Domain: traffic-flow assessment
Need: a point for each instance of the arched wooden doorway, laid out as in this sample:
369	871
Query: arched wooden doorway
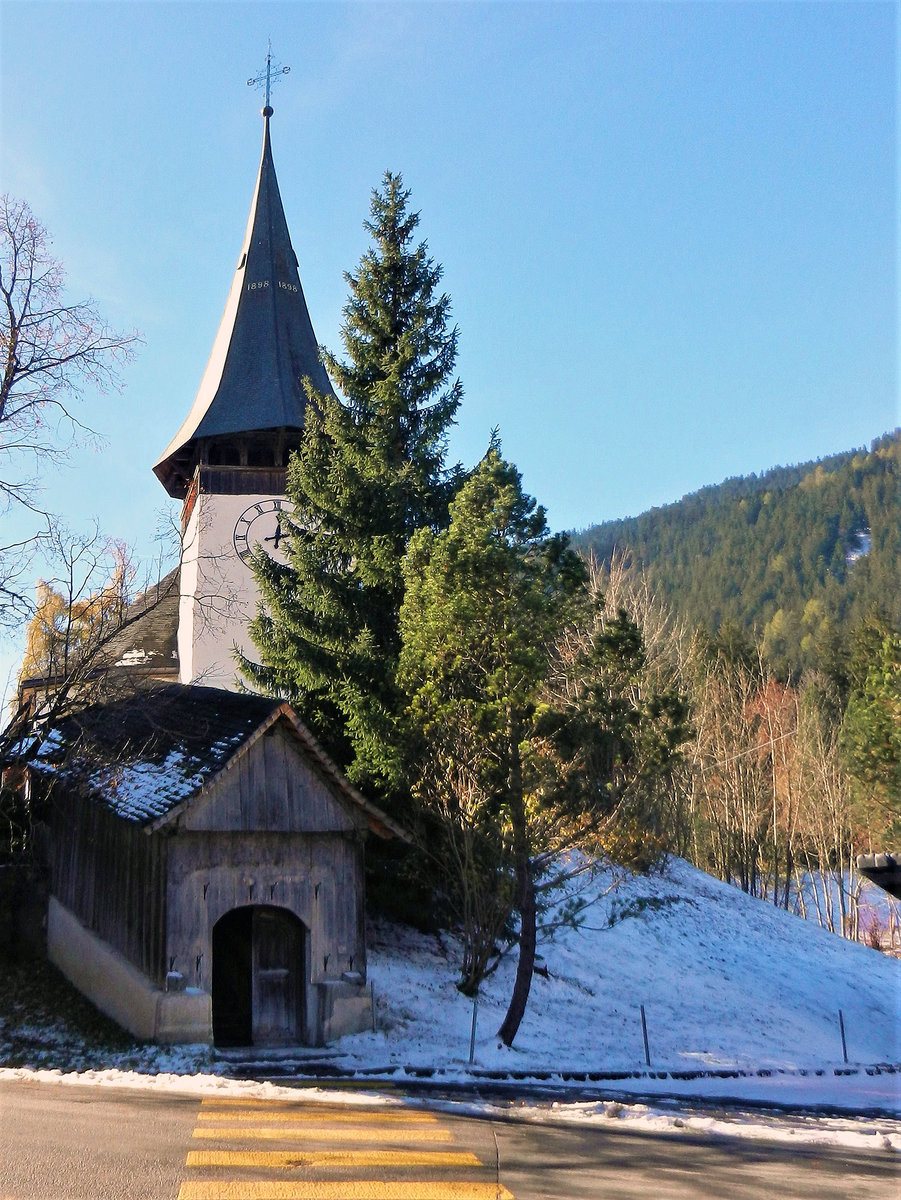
259	955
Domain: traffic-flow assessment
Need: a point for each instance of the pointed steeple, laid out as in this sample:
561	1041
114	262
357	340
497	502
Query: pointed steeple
265	346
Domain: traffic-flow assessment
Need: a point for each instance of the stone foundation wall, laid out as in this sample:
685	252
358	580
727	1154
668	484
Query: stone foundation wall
344	1007
121	991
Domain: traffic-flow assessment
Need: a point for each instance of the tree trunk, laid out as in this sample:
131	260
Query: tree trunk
526	962
526	888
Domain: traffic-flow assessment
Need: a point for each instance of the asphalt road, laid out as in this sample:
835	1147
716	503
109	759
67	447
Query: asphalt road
81	1143
89	1143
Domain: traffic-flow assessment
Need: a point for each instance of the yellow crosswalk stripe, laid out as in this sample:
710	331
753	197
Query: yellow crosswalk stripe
348	1190
346	1133
332	1158
314	1113
240	1102
373	1130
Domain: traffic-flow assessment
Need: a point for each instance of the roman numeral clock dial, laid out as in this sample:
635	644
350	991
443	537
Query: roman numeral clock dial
261	527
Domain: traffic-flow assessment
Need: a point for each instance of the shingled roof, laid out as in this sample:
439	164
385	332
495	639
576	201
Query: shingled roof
141	649
148	638
265	345
147	756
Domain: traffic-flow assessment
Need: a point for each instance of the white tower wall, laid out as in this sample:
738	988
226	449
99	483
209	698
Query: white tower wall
219	594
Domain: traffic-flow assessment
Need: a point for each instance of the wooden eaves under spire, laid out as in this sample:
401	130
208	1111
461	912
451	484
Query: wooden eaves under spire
249	409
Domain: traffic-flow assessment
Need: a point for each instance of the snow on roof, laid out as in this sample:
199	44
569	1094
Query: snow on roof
146	754
149	634
141	791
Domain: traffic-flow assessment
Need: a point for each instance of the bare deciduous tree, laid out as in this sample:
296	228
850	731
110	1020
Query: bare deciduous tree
50	352
77	653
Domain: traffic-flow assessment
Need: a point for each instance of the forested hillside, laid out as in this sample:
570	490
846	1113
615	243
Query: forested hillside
795	556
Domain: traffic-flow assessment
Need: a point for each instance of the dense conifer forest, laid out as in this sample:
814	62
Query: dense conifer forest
795	557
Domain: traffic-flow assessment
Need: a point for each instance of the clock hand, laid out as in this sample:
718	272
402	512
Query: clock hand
277	536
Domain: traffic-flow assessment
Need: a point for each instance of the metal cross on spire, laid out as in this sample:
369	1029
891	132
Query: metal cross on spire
265	78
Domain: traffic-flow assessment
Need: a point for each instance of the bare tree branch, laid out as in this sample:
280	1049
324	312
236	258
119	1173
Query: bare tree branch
51	351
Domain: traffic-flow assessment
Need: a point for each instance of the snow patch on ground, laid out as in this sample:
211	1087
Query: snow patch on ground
726	980
728	983
667	1116
859	544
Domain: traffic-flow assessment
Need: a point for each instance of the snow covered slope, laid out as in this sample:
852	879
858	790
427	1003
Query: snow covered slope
726	981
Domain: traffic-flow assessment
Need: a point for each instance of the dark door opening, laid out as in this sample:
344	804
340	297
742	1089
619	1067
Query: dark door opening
233	978
258	976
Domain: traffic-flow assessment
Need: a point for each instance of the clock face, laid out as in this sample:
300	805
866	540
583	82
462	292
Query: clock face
260	527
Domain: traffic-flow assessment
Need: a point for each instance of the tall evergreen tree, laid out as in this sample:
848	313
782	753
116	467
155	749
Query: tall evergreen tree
371	471
871	731
484	601
536	725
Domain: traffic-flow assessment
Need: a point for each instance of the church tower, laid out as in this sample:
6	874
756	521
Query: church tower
227	462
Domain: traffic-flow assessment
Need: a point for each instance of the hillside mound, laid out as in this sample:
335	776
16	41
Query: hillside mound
726	980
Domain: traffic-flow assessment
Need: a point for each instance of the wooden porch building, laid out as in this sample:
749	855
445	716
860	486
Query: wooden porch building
207	875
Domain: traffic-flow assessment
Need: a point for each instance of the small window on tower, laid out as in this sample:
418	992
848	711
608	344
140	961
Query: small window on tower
242	262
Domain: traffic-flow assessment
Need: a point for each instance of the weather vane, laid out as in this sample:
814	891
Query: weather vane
265	78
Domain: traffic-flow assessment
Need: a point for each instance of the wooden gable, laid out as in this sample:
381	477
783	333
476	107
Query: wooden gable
270	785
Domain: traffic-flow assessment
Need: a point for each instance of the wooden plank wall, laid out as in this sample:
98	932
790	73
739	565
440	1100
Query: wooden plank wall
112	876
270	831
317	877
272	787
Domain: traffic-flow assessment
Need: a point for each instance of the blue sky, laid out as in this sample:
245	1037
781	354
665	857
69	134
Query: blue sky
669	230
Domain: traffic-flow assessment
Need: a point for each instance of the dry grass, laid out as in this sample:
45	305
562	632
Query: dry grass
45	1022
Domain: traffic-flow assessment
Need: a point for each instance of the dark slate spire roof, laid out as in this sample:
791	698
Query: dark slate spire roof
265	345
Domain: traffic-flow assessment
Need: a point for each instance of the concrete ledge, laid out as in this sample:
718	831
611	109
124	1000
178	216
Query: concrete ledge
882	869
119	989
344	1007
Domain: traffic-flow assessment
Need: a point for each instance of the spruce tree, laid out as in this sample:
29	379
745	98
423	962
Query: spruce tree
484	600
870	735
370	471
536	724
